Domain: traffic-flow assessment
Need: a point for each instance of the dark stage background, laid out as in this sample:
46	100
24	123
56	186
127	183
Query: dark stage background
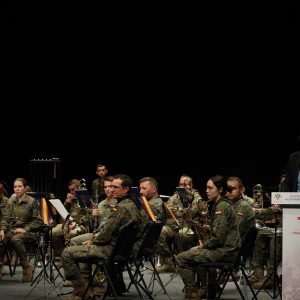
256	158
156	91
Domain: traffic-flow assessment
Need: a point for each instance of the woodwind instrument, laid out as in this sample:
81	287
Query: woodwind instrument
171	213
148	208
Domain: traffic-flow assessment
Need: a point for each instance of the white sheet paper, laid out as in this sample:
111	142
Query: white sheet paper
60	208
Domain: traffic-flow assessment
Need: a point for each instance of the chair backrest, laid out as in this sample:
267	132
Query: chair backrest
124	244
150	237
247	247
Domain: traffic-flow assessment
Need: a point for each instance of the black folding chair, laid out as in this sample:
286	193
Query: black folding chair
119	259
230	269
6	256
147	252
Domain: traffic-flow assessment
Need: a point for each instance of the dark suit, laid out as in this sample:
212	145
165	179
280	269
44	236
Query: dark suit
291	173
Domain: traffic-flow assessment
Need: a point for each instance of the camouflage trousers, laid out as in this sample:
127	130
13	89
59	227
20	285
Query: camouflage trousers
189	262
73	254
264	252
16	242
174	241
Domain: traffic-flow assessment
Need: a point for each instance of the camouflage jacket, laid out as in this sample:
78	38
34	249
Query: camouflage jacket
225	236
3	210
245	216
23	214
106	209
176	206
123	214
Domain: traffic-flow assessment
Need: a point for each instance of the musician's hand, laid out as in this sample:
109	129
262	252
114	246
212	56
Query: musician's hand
1	235
69	198
72	225
180	209
88	242
200	246
96	212
277	207
19	230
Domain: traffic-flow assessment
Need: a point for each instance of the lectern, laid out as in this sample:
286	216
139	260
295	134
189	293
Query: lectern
290	203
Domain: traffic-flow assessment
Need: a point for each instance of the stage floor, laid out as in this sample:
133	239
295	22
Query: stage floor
13	288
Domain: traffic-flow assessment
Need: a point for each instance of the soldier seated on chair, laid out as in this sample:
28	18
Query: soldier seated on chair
223	244
126	212
20	224
170	230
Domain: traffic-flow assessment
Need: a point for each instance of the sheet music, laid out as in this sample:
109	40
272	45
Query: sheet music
60	208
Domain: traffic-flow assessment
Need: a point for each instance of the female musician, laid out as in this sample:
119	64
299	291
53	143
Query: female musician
20	224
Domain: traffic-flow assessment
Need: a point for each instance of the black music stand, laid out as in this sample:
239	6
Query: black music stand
48	265
84	198
274	274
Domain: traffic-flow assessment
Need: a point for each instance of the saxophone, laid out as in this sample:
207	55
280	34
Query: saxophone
201	224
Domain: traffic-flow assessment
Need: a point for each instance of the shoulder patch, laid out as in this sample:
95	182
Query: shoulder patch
240	214
114	209
218	212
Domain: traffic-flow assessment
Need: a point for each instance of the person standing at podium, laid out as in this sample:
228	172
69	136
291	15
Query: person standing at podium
290	179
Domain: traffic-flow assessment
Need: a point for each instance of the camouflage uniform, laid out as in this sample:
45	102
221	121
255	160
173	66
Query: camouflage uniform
245	216
223	244
125	212
171	229
107	208
265	241
23	214
3	208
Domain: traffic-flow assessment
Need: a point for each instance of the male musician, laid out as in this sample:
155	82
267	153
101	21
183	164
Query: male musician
98	193
62	233
126	212
264	250
149	189
171	228
100	214
243	210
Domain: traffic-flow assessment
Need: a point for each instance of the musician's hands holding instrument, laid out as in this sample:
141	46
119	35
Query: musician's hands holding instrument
69	198
2	235
72	225
96	212
200	246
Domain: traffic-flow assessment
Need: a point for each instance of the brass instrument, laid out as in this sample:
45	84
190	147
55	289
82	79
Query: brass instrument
258	196
82	184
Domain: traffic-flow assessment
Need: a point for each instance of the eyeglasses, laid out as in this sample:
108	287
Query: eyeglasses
115	187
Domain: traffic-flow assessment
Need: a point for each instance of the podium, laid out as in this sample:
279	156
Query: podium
290	203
